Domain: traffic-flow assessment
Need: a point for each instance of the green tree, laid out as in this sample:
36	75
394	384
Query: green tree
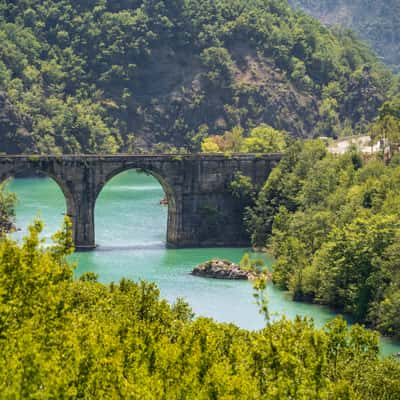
387	126
264	139
329	124
7	209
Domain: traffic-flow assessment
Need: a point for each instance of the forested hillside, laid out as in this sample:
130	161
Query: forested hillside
375	21
331	223
106	76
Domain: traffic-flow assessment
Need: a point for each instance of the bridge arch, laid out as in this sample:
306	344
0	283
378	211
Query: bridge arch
38	172
169	191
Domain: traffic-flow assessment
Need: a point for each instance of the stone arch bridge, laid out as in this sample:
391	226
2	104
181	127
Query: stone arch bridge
201	208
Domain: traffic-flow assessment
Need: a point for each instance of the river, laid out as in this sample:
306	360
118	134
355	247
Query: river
130	233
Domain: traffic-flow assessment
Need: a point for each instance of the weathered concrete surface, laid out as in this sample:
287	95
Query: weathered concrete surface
201	209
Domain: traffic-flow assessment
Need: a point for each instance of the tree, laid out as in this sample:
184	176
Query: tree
230	142
7	210
329	123
209	145
219	66
264	139
387	126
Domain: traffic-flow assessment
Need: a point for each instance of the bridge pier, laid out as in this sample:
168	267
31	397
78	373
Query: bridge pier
81	211
83	229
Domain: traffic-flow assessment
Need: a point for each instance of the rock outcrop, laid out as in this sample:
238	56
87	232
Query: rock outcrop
222	269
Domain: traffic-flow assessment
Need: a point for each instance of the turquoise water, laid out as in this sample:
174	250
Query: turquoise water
130	233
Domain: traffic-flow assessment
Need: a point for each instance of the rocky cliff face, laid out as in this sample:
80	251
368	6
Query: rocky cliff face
175	98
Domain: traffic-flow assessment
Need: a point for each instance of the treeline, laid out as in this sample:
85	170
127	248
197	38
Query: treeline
333	224
103	76
72	339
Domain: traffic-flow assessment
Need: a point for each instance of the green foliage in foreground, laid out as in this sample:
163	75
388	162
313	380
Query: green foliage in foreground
7	209
333	224
62	338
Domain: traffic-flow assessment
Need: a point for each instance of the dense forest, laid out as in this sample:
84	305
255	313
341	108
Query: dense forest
332	223
65	338
105	76
375	21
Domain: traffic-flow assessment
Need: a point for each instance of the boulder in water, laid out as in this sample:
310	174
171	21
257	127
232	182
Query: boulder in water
221	269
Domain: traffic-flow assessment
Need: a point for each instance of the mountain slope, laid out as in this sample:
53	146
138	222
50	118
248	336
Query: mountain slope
100	76
375	21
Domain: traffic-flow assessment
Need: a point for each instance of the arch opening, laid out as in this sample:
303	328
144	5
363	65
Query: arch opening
39	195
133	209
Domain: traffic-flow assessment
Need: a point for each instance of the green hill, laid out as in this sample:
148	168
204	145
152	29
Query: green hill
375	21
102	76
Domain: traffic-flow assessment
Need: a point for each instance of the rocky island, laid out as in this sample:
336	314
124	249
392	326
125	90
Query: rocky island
225	269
